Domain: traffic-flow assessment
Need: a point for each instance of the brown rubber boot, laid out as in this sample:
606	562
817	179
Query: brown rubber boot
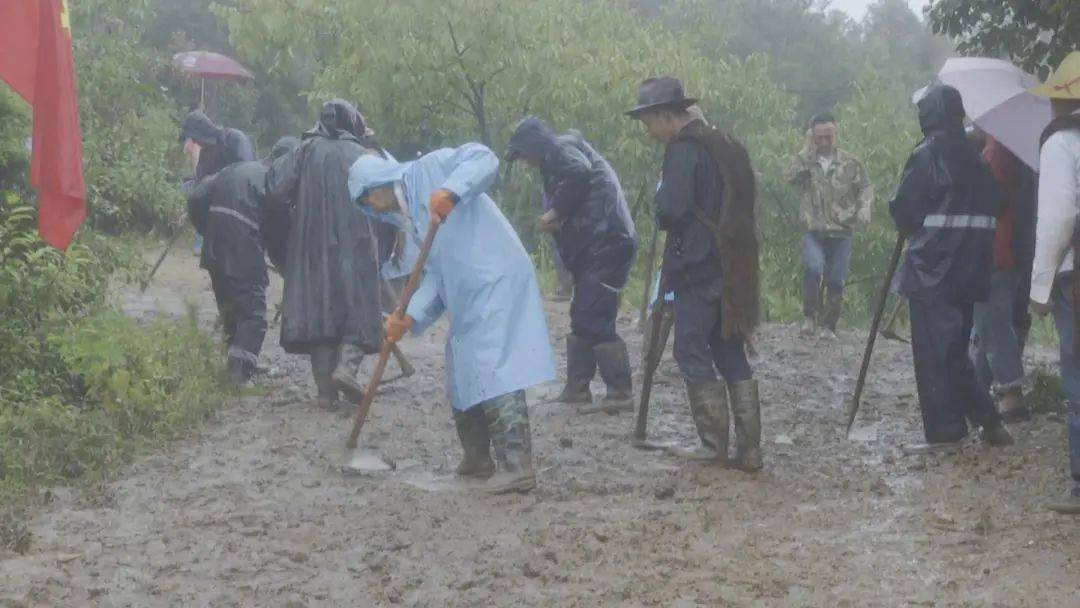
472	430
709	407
746	409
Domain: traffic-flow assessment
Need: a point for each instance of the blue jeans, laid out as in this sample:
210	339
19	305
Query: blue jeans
1070	365
995	343
825	257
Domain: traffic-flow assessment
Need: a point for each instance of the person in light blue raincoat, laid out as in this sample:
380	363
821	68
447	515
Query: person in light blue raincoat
479	275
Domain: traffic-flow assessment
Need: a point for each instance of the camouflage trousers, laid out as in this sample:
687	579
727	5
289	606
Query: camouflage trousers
508	426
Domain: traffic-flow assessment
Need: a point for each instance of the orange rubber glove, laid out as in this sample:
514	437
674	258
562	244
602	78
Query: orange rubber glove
441	204
396	326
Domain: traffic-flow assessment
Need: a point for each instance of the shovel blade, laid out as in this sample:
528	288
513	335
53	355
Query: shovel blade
366	462
650	445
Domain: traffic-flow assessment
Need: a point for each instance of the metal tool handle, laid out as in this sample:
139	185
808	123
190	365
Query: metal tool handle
853	408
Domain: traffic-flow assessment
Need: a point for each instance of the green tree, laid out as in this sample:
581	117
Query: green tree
129	122
1037	34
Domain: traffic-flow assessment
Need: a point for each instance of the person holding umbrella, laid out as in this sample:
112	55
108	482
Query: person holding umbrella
1053	280
214	146
211	149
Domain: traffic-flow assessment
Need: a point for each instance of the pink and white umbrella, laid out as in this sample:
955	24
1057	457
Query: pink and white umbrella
215	66
996	99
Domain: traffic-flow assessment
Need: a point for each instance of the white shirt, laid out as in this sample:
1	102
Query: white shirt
825	162
1059	204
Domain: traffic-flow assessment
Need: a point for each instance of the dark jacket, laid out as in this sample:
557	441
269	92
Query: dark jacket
331	270
947	203
596	234
690	178
221	146
226	208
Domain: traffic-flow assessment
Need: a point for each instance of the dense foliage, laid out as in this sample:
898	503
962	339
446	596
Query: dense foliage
428	74
1037	34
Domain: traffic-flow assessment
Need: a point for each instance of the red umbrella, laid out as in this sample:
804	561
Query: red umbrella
205	64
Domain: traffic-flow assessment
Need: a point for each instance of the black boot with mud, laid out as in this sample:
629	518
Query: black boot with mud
613	362
472	430
997	434
324	360
580	369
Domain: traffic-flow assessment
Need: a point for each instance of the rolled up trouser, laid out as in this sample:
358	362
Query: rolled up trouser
1070	365
944	375
996	349
243	308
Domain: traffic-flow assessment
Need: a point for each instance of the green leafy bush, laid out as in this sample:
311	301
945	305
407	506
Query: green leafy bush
138	383
129	122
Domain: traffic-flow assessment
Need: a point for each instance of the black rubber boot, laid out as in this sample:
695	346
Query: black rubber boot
580	369
997	434
746	409
323	362
709	407
472	430
613	361
240	371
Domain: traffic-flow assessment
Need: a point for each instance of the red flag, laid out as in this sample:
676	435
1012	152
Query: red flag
35	59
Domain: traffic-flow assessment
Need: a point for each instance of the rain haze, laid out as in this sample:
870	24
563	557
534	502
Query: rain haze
857	8
250	358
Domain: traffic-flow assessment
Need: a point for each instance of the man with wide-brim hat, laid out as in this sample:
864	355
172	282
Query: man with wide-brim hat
705	204
1053	283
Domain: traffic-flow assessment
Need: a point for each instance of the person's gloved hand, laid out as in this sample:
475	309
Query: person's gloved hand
441	204
396	326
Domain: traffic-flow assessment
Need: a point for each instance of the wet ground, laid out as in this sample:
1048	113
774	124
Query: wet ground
254	510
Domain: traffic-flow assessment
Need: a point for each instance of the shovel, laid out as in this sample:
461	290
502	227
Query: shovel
853	407
388	346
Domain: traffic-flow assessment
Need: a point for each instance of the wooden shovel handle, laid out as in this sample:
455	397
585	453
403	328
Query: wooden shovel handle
399	312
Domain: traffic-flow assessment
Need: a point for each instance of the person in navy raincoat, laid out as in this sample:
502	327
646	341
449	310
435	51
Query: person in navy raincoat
227	208
481	277
594	234
946	204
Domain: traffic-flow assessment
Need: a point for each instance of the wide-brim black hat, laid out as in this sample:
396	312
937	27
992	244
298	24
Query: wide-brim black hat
660	93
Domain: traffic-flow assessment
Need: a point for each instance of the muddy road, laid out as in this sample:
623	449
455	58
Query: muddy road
254	510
